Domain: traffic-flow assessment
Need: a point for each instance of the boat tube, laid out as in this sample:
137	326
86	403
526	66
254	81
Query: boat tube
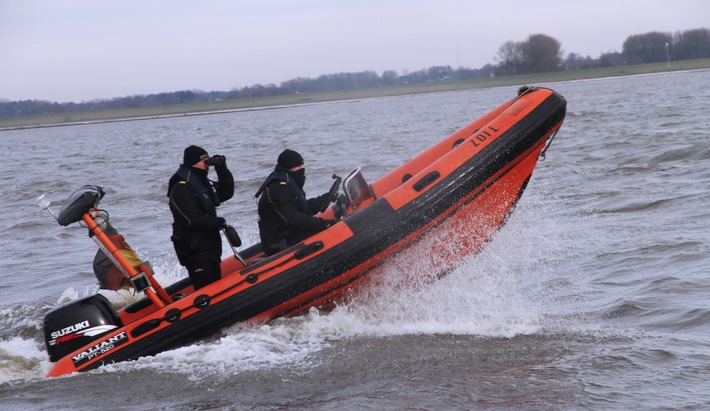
439	206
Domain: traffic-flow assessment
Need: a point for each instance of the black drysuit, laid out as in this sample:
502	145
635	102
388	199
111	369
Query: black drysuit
286	217
193	202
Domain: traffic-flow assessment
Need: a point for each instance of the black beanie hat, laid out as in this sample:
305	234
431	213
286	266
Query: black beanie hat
194	155
289	159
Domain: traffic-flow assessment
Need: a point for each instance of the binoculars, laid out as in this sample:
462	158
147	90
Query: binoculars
216	160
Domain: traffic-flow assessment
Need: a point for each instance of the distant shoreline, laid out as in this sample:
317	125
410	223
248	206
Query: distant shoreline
160	116
295	100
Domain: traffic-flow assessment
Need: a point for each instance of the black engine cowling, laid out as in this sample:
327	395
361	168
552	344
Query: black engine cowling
79	203
78	323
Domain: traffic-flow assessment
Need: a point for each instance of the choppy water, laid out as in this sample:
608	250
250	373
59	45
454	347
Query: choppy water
593	296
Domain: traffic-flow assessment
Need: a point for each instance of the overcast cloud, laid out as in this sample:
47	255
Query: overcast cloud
75	50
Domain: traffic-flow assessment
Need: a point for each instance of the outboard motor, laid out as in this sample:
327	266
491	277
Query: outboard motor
79	203
78	323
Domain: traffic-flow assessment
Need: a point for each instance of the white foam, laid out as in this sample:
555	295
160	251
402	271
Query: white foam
22	359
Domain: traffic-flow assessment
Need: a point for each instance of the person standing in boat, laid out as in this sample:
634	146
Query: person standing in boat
286	217
193	202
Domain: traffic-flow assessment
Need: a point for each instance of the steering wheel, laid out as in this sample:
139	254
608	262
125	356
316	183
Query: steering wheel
332	194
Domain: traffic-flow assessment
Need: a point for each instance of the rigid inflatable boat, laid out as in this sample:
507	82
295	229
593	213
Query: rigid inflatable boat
448	201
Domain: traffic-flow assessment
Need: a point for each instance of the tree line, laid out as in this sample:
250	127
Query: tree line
541	53
538	54
323	83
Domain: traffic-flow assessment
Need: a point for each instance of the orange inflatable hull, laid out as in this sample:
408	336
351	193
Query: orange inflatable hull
438	207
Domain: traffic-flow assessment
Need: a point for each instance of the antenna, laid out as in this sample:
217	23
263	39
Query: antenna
44	204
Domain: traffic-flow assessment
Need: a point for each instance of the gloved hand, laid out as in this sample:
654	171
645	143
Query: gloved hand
221	223
217	161
324	197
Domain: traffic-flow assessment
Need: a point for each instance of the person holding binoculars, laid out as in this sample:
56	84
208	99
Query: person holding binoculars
193	200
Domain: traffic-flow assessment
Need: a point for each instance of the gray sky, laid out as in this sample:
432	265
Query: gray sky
76	50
